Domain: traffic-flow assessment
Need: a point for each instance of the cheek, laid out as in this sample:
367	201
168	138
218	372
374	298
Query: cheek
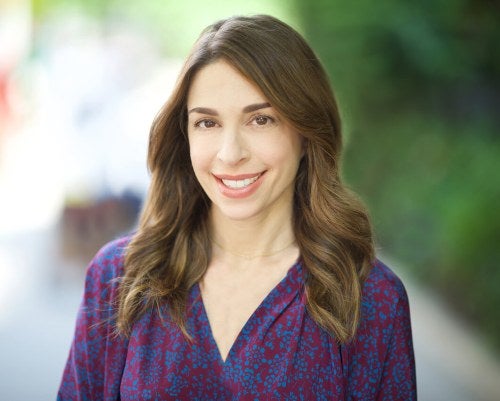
200	154
284	162
284	153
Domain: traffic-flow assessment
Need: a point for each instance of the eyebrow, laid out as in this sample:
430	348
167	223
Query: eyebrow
246	109
255	107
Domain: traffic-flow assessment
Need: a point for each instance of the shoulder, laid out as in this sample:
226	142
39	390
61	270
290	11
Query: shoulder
382	351
97	355
106	268
383	339
109	260
383	285
384	304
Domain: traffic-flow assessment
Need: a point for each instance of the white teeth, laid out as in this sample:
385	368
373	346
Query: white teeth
240	183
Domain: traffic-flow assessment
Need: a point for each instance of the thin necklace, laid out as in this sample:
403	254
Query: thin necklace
250	257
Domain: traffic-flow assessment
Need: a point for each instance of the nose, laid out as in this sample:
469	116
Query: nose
232	148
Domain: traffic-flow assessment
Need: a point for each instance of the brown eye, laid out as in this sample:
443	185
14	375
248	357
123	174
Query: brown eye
205	124
262	120
209	124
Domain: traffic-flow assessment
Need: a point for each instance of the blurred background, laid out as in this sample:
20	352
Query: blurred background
418	87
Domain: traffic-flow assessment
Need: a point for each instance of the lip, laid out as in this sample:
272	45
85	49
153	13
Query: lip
236	177
238	193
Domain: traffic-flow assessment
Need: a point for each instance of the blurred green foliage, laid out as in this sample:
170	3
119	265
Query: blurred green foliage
418	86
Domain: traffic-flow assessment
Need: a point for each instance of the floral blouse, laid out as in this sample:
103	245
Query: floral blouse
280	354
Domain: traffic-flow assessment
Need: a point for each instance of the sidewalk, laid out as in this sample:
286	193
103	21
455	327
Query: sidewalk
452	362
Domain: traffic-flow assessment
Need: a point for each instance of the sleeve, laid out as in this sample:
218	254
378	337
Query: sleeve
97	355
398	381
381	359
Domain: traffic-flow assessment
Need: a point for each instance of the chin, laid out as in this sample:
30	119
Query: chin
237	213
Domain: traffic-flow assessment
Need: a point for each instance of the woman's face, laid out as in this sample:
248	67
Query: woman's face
244	154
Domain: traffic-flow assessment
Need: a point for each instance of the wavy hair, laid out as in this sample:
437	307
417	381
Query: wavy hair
171	249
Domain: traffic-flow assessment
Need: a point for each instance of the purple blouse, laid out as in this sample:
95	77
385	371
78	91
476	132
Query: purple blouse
280	354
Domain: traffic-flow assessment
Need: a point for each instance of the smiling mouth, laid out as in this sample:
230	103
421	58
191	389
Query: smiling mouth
236	184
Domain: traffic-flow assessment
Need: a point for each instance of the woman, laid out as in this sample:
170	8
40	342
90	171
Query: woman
252	274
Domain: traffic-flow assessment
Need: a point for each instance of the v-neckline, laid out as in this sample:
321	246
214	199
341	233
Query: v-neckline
204	315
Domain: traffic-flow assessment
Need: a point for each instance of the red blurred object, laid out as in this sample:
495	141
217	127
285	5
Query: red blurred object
84	228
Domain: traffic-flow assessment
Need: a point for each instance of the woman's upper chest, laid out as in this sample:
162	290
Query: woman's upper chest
230	296
279	351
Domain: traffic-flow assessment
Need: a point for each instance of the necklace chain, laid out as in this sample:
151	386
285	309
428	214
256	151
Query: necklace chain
250	257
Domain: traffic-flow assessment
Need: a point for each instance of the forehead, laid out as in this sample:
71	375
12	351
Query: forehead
221	83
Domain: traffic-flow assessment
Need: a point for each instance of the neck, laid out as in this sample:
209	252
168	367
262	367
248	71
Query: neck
252	238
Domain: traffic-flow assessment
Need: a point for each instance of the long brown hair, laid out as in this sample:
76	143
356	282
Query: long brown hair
171	250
